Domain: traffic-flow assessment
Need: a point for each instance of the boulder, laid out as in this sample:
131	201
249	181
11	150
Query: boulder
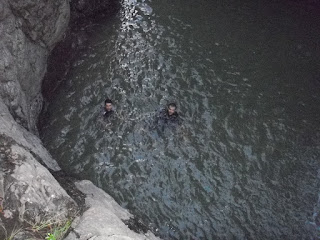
29	194
103	219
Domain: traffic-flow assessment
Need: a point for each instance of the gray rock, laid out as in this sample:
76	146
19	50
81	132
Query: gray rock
29	30
26	139
34	189
30	193
23	235
42	21
103	218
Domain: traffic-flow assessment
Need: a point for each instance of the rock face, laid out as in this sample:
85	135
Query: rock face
29	30
25	138
28	191
103	218
29	194
75	38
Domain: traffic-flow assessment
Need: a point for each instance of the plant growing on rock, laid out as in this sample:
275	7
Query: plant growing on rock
50	229
59	231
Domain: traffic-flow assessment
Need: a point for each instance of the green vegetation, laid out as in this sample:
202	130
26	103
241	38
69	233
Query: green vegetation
50	229
46	230
40	226
58	231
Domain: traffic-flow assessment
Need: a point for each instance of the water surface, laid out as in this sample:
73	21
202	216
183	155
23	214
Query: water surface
245	162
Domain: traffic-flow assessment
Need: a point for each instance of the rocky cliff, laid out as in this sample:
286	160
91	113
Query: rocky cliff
29	194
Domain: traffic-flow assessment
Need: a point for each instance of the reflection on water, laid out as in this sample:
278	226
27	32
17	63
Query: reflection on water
244	163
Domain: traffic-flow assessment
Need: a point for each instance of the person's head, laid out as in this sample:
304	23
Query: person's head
108	104
172	107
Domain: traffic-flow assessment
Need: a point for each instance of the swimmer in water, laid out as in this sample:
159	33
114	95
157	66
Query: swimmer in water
168	116
108	108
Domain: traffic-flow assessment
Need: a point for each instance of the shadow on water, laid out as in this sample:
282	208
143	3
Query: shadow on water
245	162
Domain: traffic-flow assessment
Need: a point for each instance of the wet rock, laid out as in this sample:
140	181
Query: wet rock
68	184
103	219
135	224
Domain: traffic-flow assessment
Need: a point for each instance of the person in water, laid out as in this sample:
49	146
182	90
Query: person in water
108	108
168	115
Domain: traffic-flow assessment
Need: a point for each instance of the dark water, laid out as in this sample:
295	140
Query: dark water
245	163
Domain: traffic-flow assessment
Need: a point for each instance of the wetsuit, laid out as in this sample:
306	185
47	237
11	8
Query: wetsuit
108	114
163	118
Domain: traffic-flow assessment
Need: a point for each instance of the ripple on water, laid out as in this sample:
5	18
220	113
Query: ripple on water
244	162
